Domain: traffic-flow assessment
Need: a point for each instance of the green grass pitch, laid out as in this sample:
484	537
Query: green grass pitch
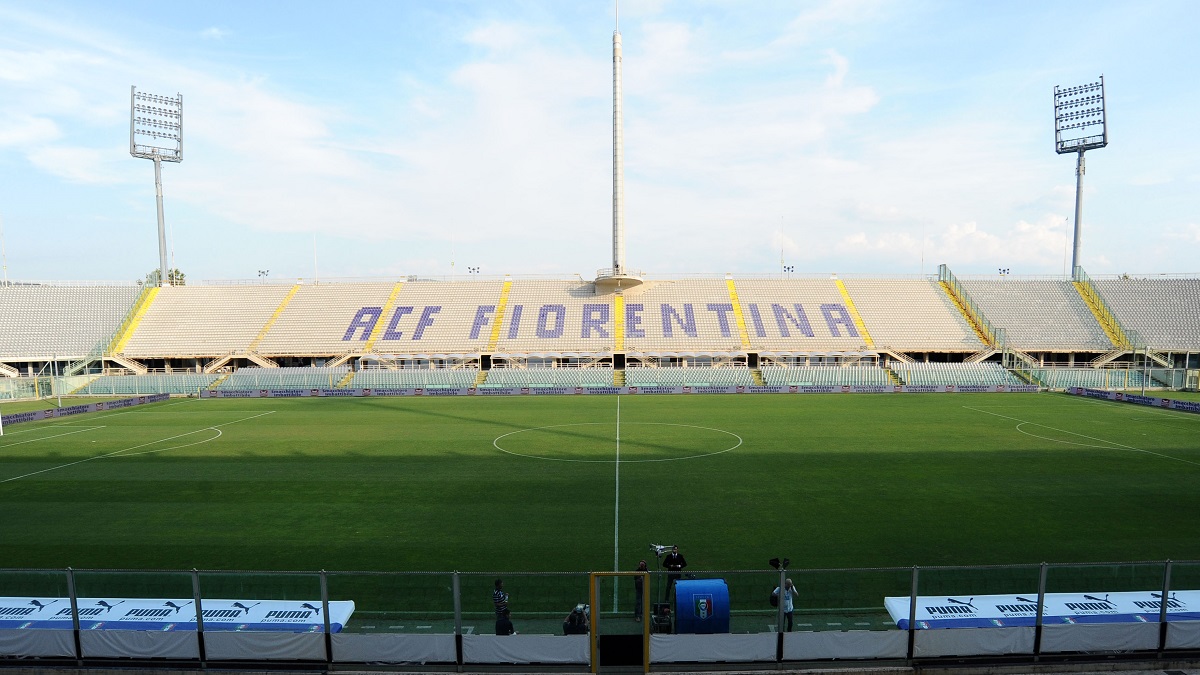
420	484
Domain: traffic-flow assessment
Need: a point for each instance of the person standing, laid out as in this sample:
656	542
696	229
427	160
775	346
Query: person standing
504	624
639	589
789	592
674	564
500	598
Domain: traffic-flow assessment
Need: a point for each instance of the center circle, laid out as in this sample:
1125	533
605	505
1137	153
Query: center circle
639	442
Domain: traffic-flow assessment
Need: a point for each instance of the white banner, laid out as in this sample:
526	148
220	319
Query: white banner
1168	403
174	614
1059	608
635	390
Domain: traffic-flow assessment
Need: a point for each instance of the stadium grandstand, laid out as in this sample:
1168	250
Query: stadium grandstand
1112	333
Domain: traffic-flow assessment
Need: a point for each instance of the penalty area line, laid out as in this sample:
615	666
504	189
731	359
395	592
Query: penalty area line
1112	445
119	453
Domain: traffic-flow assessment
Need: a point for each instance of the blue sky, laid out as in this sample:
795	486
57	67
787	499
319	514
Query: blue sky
850	137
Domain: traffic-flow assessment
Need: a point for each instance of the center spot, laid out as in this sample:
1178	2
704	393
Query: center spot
597	442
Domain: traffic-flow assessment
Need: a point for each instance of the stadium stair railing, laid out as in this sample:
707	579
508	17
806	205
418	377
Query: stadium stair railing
216	383
893	376
345	381
757	376
970	311
1104	316
8	371
132	319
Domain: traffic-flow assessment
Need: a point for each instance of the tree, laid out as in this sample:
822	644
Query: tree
174	276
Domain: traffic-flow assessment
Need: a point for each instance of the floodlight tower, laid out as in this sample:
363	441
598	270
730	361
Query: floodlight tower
617	276
618	236
1079	125
159	121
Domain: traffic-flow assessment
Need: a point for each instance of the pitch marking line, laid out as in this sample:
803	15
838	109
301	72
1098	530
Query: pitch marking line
46	438
1112	445
496	443
119	453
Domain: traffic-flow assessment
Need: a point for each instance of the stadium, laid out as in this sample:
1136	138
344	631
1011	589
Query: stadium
360	474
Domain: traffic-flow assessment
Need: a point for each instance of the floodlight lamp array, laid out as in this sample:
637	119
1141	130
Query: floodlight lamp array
156	126
1076	109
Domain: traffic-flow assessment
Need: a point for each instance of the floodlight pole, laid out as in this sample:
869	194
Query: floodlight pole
157	117
164	277
1080	169
1077	112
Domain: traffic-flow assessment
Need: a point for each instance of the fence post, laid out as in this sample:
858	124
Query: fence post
456	585
74	616
779	616
325	611
1041	604
1162	609
912	615
199	617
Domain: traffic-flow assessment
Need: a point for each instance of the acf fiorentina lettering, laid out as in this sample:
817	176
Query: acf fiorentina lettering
549	321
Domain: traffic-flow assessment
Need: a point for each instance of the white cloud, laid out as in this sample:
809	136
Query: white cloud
214	33
82	165
27	130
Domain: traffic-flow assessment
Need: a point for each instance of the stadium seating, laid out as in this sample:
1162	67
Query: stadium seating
1038	314
204	320
181	383
911	315
675	316
825	375
1093	378
556	317
726	376
775	322
315	320
1164	312
550	377
428	378
958	374
40	321
285	378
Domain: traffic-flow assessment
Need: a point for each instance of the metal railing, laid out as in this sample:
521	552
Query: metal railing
432	604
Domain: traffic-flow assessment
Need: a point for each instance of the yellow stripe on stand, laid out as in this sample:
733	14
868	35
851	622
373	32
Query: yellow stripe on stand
862	328
118	345
498	322
618	323
383	317
737	314
274	317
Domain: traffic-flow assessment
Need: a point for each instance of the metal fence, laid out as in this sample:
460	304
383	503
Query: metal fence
450	617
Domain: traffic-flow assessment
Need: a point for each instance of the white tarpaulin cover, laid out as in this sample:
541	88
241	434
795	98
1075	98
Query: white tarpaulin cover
264	646
1183	635
734	648
974	641
139	644
1099	637
984	611
293	616
526	649
372	648
850	644
36	642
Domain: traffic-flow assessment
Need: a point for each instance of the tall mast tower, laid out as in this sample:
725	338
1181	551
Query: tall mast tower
617	276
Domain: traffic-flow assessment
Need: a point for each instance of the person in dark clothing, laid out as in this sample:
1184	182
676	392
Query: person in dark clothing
504	624
639	591
577	622
674	564
500	598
